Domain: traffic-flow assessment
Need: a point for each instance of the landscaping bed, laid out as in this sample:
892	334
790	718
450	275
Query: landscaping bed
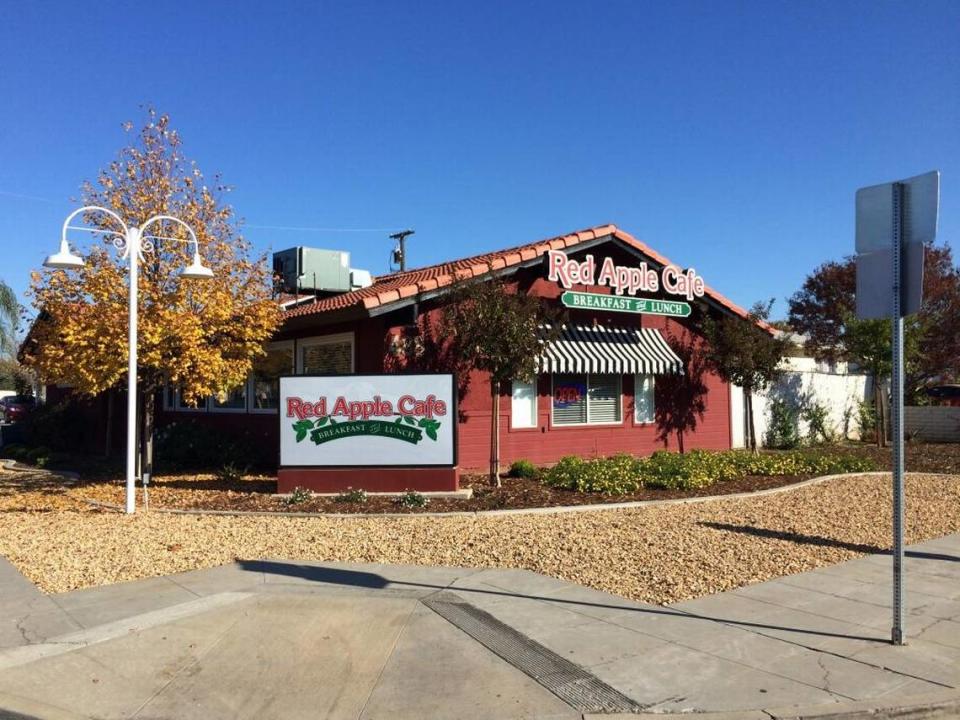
668	477
200	492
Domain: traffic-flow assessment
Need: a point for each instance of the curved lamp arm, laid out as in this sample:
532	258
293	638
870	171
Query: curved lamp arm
178	221
93	208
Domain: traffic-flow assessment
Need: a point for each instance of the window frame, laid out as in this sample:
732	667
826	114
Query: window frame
613	423
535	384
316	340
637	377
251	380
211	408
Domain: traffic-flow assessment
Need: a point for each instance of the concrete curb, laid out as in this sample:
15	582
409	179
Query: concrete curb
932	706
559	509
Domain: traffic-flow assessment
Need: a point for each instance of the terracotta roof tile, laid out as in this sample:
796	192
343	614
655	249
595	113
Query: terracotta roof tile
399	285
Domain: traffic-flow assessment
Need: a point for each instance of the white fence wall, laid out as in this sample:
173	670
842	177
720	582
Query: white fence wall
933	423
840	393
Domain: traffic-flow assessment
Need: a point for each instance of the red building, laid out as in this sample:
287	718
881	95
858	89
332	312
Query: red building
621	379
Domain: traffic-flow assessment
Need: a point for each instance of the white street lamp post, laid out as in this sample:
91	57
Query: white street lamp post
132	242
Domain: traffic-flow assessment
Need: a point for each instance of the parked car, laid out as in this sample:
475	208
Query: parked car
947	394
16	407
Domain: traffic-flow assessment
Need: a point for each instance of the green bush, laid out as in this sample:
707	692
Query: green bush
351	496
623	474
13	451
298	496
188	444
523	469
38	455
783	430
615	475
230	472
411	499
819	429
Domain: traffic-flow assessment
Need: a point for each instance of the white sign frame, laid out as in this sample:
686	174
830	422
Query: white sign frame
379	390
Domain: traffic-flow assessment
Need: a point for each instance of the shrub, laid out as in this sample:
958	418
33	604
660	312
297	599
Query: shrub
699	468
351	496
783	431
14	451
231	473
411	499
615	475
187	444
39	456
817	416
298	496
867	420
523	469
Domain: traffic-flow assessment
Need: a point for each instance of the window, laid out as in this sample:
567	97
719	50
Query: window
586	399
329	355
234	400
524	404
183	406
264	380
643	394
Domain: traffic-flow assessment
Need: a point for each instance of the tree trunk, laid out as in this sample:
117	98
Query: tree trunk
146	434
751	428
149	411
495	434
881	422
108	430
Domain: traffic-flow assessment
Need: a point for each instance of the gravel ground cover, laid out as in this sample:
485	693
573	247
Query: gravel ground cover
656	554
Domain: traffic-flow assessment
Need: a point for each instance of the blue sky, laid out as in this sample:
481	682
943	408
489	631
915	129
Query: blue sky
729	136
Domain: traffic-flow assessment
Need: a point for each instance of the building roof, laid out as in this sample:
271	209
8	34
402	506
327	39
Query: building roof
398	286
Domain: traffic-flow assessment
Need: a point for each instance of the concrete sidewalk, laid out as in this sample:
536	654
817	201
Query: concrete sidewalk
278	639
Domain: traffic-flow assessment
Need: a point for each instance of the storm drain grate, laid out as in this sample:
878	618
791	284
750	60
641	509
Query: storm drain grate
569	682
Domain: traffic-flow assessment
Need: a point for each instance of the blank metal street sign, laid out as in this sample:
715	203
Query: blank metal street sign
921	201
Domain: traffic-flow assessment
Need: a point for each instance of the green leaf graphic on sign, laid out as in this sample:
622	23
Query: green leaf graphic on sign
399	419
302	427
409	420
431	432
322	420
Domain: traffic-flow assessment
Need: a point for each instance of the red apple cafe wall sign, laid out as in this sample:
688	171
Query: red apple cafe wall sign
336	425
625	281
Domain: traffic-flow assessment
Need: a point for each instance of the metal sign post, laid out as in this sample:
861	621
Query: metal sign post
896	405
894	220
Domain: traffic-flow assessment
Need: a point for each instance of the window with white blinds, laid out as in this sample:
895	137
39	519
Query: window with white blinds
580	399
330	355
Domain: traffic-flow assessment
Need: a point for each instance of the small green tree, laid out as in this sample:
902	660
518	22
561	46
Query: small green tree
745	354
9	315
501	331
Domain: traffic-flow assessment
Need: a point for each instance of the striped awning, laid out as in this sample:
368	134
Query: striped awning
582	348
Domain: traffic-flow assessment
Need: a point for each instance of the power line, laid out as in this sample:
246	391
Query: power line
319	229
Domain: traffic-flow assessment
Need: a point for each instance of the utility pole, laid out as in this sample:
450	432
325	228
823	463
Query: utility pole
400	253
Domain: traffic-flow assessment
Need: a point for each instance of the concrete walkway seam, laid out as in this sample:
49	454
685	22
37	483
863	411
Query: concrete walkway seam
554	510
110	631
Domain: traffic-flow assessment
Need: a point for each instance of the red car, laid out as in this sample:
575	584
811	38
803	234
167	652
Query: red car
16	407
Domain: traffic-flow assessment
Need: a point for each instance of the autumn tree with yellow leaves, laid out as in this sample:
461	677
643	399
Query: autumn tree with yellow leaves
201	336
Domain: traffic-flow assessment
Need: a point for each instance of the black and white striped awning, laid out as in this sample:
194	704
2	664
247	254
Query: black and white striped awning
582	348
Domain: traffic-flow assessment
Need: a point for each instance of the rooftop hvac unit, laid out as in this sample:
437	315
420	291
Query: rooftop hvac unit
312	270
